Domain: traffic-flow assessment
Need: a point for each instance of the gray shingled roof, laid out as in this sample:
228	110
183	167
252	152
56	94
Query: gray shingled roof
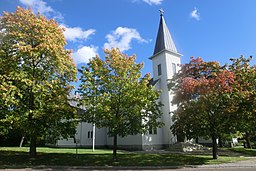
164	38
152	82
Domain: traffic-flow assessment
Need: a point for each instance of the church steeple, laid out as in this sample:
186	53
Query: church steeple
165	63
164	39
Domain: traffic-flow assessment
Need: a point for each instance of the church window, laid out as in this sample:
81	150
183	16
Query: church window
159	69
152	130
155	131
90	134
109	132
174	68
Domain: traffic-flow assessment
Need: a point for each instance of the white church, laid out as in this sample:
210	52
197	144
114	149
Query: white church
165	63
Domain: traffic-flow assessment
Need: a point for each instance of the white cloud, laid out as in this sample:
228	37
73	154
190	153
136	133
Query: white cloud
43	8
153	2
76	33
195	14
85	53
150	2
122	38
27	2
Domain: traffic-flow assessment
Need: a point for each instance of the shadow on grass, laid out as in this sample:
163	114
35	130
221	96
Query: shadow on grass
244	151
11	159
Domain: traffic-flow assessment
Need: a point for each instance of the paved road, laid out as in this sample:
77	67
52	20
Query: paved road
247	165
182	169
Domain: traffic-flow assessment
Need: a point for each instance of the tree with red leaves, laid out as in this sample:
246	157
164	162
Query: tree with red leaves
203	92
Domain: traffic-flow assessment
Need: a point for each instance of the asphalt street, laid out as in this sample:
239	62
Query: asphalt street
246	165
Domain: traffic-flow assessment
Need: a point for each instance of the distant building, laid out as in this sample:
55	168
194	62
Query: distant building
165	63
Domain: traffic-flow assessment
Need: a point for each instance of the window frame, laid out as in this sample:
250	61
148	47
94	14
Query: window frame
174	68
159	69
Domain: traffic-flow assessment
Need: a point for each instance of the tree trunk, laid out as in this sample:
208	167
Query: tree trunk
115	148
220	142
214	147
247	139
33	135
32	148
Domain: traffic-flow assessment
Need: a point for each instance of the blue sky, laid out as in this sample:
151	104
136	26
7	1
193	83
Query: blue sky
215	30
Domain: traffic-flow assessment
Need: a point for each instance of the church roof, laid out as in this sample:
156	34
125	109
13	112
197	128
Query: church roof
164	38
152	82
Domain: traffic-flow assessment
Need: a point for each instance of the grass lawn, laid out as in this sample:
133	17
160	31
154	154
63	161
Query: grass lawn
243	151
18	157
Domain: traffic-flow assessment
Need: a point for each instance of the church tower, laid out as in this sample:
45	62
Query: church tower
165	62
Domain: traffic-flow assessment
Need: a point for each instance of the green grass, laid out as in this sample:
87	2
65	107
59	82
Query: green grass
244	151
57	150
12	157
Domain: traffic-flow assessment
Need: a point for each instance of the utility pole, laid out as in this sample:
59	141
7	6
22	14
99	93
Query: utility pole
93	136
93	123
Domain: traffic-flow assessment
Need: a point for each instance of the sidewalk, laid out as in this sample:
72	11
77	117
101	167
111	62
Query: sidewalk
250	163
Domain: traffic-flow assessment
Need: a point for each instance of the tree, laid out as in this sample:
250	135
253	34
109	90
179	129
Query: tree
245	92
115	96
39	71
204	94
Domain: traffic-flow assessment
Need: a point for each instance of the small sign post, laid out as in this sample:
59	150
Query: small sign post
77	141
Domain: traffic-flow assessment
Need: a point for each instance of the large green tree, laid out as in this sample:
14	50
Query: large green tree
35	73
115	96
245	93
204	93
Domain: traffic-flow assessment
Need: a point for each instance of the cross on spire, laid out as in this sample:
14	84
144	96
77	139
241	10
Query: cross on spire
161	12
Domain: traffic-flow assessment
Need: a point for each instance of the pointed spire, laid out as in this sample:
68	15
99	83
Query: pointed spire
164	38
